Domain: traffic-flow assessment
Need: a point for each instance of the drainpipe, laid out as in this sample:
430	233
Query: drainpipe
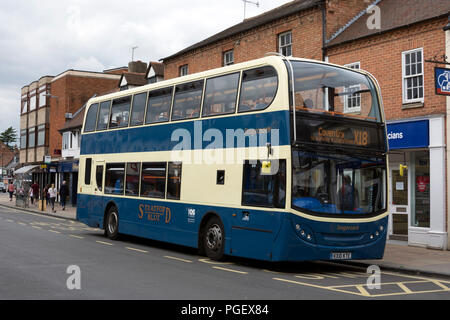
324	29
447	53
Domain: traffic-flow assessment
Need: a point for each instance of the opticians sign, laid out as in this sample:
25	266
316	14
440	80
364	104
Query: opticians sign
442	81
408	135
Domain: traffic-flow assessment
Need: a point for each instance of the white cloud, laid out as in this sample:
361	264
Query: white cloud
47	37
87	64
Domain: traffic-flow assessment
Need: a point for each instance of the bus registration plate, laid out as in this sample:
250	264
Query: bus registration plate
341	255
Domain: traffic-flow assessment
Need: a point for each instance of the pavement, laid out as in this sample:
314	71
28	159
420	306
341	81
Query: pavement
398	255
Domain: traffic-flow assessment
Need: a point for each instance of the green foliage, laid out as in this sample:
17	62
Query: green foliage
9	136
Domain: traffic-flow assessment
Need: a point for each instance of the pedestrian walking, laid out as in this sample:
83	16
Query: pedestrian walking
31	195
52	192
11	189
35	196
45	194
63	193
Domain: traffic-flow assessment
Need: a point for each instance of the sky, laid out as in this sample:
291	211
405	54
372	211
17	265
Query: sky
48	37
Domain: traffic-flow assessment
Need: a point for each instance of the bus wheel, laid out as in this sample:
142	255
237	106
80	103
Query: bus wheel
112	223
214	239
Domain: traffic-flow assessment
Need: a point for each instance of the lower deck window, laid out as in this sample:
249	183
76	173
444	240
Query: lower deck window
174	181
114	178
153	182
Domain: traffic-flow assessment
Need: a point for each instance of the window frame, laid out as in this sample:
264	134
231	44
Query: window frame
124	177
39	130
203	115
139	179
172	95
227	54
241	83
153	164
183	70
146	93
97	104
88	169
405	77
347	109
24	135
180	164
98	115
282	47
126	124
274	176
32	131
172	109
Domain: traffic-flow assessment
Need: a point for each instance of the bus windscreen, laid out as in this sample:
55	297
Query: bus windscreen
338	184
334	91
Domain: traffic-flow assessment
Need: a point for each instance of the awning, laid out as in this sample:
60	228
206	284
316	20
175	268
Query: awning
25	169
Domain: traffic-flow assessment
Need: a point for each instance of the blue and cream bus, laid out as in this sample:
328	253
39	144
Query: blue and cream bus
279	159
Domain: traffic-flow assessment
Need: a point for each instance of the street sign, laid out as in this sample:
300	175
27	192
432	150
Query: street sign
442	81
47	159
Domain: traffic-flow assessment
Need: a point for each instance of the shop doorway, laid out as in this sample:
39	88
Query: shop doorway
399	203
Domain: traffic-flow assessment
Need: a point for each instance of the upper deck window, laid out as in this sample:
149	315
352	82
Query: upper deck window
221	95
327	90
103	115
158	108
91	118
258	89
187	100
120	112
137	113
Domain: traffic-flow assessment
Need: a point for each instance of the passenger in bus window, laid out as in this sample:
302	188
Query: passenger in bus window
308	104
348	195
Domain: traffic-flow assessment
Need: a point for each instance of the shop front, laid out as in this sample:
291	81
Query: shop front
417	182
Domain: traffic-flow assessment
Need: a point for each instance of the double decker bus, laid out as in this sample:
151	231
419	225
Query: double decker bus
279	159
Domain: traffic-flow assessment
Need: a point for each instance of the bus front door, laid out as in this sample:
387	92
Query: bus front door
98	189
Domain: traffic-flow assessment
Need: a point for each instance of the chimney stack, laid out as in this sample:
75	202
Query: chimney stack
137	67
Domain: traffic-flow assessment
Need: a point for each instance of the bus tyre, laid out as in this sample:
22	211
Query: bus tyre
214	239
112	223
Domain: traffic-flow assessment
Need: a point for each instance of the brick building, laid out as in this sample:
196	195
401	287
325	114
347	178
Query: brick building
299	28
46	105
393	39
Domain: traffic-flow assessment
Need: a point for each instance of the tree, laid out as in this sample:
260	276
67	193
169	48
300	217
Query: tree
9	136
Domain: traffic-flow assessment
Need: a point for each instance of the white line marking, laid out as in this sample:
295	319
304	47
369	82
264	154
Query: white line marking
134	249
230	270
179	259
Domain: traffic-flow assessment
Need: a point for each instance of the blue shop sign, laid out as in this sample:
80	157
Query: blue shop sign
442	81
408	135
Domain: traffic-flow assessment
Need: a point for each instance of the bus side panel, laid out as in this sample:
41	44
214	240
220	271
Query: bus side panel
253	233
86	210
